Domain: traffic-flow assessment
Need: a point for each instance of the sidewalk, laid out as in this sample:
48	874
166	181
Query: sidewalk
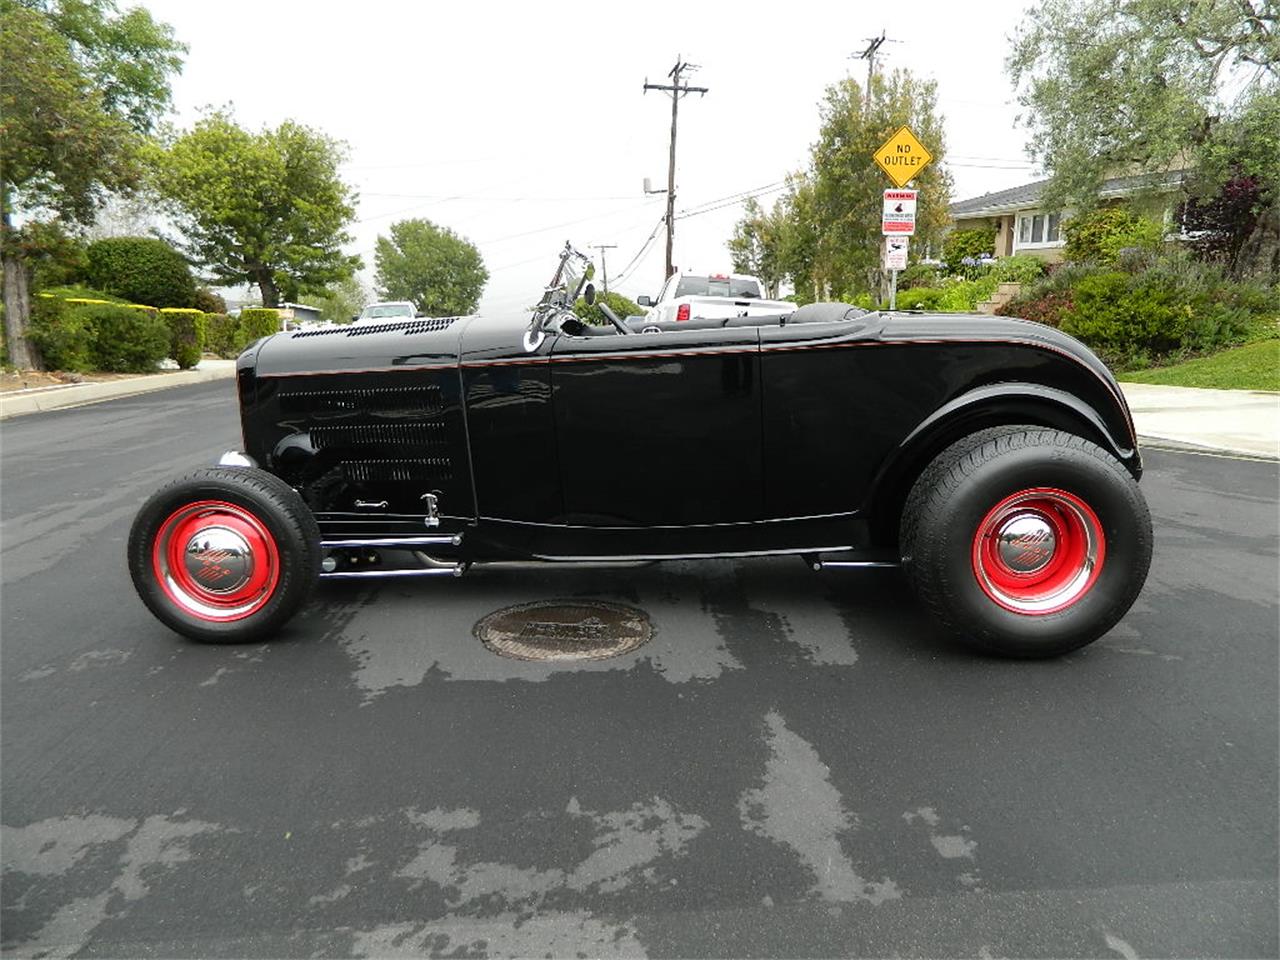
16	403
1242	422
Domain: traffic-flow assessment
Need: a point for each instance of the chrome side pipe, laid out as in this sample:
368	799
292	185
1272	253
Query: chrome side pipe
376	542
456	570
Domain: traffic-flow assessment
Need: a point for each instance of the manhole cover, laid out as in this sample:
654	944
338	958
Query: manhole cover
564	630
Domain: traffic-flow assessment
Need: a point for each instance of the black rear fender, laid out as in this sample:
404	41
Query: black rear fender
990	406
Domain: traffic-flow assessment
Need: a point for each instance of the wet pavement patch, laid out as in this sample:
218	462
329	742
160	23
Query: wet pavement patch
564	630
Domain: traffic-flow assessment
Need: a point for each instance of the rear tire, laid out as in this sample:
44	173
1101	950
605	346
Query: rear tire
224	555
1025	541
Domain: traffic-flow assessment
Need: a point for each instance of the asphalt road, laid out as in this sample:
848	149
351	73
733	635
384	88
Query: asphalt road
798	764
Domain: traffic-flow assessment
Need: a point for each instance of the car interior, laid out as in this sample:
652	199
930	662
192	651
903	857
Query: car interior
809	313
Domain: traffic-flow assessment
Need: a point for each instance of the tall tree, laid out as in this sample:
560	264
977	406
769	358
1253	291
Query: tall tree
830	236
755	247
342	300
79	85
266	208
432	266
1128	86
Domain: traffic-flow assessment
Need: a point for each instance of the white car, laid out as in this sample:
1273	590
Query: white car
716	296
386	311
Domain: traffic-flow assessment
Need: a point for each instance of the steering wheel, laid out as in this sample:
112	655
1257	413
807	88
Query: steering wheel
613	318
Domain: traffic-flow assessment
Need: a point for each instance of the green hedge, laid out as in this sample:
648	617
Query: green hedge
186	335
63	335
126	340
220	332
98	336
141	270
256	323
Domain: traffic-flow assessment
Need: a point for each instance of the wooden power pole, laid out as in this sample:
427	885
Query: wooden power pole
869	55
677	88
604	266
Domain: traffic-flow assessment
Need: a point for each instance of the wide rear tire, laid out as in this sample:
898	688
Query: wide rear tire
1025	541
224	555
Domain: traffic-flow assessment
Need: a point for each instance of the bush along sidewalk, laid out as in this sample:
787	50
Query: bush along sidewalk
186	335
1150	308
92	331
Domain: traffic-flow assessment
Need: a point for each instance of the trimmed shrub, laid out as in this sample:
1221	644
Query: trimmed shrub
617	303
1047	308
256	323
961	245
919	275
220	333
186	335
1100	235
63	335
125	340
1132	321
919	298
206	301
1021	268
142	270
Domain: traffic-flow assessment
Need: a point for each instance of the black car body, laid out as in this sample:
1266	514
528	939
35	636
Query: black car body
993	458
781	436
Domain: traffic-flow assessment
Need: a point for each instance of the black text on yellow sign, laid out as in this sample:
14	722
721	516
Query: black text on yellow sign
902	156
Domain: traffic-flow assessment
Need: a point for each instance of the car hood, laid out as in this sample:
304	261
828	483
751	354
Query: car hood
424	342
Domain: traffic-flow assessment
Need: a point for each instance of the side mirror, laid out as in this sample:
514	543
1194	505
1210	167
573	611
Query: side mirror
355	317
643	300
589	293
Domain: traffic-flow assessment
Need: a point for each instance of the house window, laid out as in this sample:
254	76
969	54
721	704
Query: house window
1039	230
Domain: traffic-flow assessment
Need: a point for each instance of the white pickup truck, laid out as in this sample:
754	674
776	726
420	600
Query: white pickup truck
717	296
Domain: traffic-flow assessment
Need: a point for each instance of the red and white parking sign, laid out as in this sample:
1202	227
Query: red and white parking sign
899	213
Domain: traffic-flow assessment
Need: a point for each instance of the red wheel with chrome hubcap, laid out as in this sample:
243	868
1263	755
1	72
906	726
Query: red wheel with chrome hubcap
216	560
1038	551
1026	541
224	554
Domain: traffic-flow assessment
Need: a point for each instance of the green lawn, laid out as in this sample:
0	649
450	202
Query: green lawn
1255	366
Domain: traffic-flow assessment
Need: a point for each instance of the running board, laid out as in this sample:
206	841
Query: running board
453	571
848	564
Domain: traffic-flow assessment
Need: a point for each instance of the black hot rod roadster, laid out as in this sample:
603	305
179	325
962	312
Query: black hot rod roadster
994	459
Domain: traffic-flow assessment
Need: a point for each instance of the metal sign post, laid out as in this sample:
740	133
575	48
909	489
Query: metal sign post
902	157
895	259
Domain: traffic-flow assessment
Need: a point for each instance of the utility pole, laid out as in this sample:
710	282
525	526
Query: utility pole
677	88
869	55
604	267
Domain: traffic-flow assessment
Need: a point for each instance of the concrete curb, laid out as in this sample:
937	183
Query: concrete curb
41	399
1179	445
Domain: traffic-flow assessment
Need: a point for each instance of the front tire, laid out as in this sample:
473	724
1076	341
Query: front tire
224	555
1025	541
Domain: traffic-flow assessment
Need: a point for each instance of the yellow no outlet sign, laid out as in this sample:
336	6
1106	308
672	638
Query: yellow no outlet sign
903	157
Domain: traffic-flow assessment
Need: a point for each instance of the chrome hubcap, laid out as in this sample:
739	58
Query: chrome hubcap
218	559
1026	543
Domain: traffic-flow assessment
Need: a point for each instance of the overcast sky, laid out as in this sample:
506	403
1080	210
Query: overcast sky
521	125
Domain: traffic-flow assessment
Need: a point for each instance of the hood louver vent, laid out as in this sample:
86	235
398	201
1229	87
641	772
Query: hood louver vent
399	402
384	442
410	327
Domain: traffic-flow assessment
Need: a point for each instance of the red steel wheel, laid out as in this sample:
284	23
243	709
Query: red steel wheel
224	554
1026	541
216	560
1038	551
